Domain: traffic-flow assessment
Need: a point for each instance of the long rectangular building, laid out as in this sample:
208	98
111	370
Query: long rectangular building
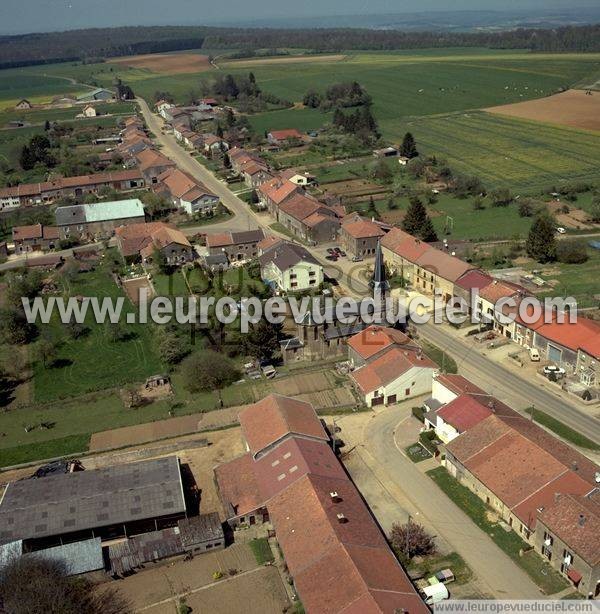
111	502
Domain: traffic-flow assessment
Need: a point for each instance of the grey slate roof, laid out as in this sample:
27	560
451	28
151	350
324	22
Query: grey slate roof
286	255
247	236
74	214
96	498
79	557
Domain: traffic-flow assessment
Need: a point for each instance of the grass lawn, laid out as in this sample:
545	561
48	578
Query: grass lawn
66	446
303	120
18	84
539	571
430	565
172	284
262	550
577	280
444	360
92	361
562	430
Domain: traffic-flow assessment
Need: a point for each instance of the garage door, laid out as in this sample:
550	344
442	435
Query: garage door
554	354
377	401
391	399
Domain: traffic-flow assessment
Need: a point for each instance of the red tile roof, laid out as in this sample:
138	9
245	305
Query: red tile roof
404	245
277	190
389	367
458	384
281	135
576	521
443	265
220	239
474	279
150	158
362	229
300	206
238	487
498	289
583	334
267	421
464	412
22	233
374	339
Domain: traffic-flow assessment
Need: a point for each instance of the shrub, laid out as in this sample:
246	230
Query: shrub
571	251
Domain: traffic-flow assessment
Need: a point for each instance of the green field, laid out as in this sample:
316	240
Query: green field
519	154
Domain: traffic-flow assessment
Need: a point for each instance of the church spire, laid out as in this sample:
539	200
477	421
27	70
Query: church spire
379	281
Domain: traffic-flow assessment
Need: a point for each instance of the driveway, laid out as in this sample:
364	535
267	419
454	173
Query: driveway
405	489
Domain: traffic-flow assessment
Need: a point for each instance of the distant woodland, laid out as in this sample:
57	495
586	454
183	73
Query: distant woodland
95	44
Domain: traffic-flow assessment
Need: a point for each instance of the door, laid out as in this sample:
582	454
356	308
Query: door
391	399
377	401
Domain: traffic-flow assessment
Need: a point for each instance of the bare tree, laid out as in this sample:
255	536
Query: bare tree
411	539
33	585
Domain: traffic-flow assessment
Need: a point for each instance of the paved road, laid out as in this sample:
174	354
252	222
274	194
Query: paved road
509	387
506	385
499	574
17	263
245	218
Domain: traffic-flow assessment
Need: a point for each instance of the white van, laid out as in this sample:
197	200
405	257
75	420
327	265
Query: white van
534	355
435	593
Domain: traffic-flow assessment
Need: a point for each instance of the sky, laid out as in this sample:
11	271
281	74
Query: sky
20	16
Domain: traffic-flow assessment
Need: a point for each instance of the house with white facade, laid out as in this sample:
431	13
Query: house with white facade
289	267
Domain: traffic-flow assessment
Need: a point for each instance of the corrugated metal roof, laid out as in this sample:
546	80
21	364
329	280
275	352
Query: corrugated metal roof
78	557
115	210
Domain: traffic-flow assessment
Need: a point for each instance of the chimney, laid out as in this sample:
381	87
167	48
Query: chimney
341	518
574	465
581	520
334	496
492	405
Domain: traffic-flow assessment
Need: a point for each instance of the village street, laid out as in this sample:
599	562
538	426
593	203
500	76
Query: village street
380	442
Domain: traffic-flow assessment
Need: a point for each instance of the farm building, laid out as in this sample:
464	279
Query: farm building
97	94
34	238
98	220
23	105
112	502
359	236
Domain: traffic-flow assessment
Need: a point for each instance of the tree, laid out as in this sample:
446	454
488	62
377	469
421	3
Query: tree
595	210
226	161
372	209
312	99
382	171
526	207
417	222
46	352
572	251
411	539
408	149
14	328
261	342
117	332
26	159
33	584
541	241
207	371
501	197
478	203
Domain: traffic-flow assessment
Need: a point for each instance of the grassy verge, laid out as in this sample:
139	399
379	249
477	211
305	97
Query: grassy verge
432	564
65	446
261	550
444	360
561	429
537	569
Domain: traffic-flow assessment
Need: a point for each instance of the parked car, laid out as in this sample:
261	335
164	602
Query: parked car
330	250
561	230
342	253
332	257
357	258
534	355
549	369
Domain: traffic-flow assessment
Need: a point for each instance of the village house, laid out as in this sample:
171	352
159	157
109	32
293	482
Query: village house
75	187
237	246
274	192
255	173
400	373
308	219
359	236
291	477
186	193
488	299
425	267
386	152
373	342
161	106
302	179
214	145
467	285
459	415
290	268
34	238
282	137
267	243
140	241
98	220
518	468
568	537
89	111
23	105
152	164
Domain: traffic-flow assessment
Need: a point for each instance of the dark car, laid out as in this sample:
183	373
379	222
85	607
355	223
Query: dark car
332	257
